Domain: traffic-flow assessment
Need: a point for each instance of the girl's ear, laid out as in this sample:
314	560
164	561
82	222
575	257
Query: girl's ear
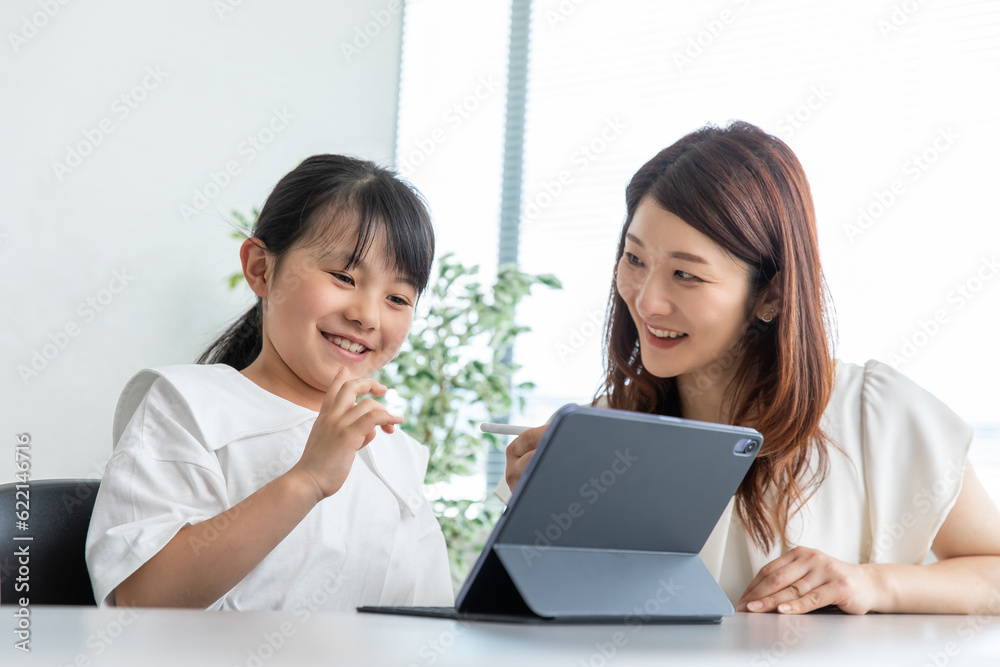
769	302
255	269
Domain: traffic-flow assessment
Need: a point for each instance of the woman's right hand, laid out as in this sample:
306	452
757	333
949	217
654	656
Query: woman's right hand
519	452
343	427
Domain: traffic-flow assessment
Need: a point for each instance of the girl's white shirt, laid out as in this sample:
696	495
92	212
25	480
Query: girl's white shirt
896	462
192	441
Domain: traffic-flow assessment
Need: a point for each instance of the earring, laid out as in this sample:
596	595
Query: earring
767	317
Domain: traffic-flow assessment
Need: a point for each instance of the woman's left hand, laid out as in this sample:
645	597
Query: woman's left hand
806	579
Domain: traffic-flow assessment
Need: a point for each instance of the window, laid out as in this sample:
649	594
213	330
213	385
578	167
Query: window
892	108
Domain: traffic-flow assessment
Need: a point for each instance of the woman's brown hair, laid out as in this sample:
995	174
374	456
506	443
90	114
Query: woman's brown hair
746	190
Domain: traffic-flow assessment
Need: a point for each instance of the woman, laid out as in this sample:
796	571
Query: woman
718	313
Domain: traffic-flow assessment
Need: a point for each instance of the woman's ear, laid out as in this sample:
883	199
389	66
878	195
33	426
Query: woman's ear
255	265
769	302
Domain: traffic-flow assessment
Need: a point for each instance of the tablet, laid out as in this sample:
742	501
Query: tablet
607	522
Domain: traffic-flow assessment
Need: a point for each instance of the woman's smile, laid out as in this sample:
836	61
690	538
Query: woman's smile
664	339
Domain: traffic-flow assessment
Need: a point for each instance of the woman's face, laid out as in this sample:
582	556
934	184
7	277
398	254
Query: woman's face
685	293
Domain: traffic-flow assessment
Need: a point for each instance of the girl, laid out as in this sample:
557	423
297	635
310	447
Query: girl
717	313
267	479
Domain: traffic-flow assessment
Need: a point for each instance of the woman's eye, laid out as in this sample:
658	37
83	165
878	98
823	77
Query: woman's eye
684	275
632	259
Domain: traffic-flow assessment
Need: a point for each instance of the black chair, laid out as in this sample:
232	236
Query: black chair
58	517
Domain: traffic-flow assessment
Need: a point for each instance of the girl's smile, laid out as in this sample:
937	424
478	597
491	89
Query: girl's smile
349	346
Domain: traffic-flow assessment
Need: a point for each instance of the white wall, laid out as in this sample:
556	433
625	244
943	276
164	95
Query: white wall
159	96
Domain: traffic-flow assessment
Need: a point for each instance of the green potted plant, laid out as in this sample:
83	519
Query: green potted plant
453	372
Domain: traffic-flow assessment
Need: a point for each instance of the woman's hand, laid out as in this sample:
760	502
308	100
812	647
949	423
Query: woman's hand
343	427
806	579
519	452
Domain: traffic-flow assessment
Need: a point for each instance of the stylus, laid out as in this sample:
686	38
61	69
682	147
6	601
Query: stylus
503	429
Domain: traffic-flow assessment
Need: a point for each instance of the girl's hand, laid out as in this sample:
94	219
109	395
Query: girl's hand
519	452
343	427
806	579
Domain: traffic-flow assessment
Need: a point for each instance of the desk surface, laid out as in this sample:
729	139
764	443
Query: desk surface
147	638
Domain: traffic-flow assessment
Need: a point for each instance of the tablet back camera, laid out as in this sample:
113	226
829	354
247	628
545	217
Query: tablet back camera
745	447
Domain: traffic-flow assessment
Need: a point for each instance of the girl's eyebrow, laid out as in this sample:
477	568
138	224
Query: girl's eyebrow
686	256
341	257
406	280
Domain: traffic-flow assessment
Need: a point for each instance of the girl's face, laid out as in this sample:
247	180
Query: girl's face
685	293
320	316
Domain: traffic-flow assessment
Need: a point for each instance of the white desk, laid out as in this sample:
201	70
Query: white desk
90	636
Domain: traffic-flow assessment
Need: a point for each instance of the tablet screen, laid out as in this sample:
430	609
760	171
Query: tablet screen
611	479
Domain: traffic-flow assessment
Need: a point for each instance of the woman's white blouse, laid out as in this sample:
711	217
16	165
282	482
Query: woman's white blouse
896	468
192	441
896	465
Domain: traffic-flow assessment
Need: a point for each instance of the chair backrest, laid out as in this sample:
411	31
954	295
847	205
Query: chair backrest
58	515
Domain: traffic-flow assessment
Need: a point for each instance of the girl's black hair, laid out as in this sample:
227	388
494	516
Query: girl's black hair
325	198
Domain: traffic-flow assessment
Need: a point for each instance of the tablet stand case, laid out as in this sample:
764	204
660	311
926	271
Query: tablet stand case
598	586
607	530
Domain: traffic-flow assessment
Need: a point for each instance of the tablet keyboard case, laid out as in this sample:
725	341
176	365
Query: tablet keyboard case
611	533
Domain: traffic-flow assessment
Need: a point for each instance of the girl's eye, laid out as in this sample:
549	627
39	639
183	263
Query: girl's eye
342	277
399	301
